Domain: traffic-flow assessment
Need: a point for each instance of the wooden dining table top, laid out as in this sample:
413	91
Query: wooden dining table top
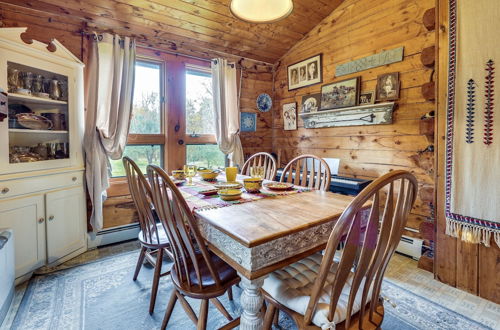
264	220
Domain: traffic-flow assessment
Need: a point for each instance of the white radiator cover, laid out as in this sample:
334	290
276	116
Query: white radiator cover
410	246
7	271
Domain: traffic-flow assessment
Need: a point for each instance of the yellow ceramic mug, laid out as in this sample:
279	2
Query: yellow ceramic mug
231	174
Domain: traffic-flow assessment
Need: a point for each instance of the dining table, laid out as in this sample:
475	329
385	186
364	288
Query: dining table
263	232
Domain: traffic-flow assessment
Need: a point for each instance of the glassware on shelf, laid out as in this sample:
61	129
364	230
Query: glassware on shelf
27	82
55	89
13	79
37	84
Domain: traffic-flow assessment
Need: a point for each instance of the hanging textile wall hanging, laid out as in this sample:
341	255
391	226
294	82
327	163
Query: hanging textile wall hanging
473	123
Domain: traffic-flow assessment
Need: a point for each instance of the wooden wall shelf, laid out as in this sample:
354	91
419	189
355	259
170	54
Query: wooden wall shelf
371	114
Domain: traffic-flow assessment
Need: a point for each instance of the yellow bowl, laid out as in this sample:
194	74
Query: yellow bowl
252	185
230	194
179	174
208	174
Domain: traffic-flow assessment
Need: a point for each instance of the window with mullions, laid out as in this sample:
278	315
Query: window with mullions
146	142
201	148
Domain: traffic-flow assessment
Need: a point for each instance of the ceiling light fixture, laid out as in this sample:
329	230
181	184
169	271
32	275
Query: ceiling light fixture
261	11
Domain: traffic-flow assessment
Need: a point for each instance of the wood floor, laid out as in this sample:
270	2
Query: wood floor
404	272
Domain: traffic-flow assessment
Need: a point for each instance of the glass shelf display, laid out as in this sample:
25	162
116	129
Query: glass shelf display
38	114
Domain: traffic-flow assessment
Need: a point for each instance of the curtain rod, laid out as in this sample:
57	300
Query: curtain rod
141	44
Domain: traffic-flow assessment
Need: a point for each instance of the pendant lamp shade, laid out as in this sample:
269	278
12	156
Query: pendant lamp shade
261	11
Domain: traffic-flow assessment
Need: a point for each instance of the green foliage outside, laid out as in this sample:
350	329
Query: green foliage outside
146	119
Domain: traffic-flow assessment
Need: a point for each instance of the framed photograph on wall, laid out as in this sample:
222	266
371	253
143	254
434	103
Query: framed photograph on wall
290	116
311	103
340	94
388	87
367	98
305	73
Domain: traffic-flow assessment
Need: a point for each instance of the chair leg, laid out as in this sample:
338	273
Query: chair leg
221	308
156	280
276	320
139	262
230	293
170	308
268	318
202	320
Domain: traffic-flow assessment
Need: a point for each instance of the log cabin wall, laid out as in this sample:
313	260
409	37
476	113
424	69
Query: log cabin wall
358	28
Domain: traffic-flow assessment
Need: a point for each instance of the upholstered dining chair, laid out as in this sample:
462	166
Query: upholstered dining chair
263	159
152	237
197	272
343	292
308	171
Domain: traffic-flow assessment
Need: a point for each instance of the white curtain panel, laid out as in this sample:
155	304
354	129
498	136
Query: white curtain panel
226	108
109	95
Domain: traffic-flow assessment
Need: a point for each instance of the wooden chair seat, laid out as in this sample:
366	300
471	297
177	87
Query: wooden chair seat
227	276
154	242
292	287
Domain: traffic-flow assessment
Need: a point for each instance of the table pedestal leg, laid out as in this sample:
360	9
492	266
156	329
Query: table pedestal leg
251	303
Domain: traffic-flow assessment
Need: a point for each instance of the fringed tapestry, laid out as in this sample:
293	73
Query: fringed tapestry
473	123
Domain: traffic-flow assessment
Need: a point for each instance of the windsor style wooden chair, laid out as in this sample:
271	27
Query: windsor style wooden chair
263	159
152	237
308	171
197	272
326	292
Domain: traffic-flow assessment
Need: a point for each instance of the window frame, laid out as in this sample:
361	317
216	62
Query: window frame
200	139
118	186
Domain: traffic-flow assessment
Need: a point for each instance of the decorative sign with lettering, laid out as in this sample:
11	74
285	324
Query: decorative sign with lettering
373	114
372	61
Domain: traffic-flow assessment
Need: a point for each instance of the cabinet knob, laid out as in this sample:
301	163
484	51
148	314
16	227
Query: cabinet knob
73	178
5	190
51	218
41	220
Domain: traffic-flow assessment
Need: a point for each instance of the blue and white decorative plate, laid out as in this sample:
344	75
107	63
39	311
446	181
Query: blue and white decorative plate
248	122
264	102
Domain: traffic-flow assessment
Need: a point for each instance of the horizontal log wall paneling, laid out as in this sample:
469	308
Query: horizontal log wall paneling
356	29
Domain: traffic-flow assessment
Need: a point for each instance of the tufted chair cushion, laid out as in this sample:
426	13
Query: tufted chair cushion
292	287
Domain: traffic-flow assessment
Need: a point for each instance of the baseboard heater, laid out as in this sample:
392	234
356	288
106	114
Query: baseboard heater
410	246
113	235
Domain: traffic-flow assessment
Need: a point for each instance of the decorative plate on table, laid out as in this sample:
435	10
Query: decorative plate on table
228	185
278	186
264	102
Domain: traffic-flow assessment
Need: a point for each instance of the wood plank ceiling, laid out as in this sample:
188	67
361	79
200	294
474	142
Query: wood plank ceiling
190	26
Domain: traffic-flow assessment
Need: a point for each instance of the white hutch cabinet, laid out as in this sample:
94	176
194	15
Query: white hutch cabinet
42	196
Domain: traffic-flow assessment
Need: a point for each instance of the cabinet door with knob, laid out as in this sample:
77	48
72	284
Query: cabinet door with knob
26	217
65	225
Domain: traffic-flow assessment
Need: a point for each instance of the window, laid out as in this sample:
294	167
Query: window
201	148
146	140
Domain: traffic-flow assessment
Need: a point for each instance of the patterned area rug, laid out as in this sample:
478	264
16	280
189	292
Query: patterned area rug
102	295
